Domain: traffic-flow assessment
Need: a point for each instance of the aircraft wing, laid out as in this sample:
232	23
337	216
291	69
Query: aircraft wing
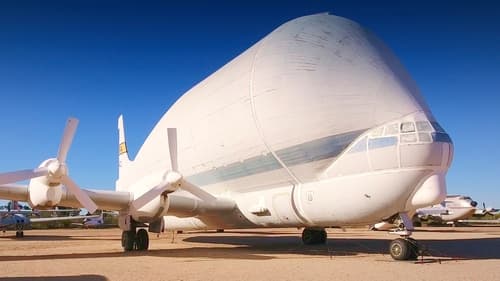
182	204
62	218
497	221
105	199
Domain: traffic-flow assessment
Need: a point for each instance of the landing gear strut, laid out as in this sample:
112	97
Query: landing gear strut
405	247
135	241
311	236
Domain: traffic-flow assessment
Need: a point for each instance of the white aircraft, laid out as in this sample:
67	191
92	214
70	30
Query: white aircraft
316	125
95	221
451	210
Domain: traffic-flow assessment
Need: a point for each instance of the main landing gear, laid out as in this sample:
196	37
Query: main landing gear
312	236
405	247
135	241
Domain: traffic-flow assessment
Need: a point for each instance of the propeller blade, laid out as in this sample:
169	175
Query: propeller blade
150	195
67	138
172	148
197	191
80	195
16	176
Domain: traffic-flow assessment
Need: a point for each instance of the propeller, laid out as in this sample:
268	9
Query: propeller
173	179
16	176
56	170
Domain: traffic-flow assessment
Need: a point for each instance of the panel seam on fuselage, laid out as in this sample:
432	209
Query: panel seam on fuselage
257	123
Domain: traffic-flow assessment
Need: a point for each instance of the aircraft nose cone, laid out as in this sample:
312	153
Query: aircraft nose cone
473	203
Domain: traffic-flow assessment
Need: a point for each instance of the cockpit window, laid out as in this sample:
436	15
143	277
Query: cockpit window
391	129
423	126
408	138
407	127
424	137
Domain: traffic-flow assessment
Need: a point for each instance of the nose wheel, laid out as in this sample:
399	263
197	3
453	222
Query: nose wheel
404	249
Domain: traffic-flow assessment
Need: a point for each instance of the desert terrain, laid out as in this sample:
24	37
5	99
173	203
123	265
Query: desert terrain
453	253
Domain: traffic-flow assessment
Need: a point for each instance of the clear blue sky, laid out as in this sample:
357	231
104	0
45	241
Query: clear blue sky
97	59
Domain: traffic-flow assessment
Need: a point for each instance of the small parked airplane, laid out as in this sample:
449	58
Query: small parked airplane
96	221
19	220
452	209
317	125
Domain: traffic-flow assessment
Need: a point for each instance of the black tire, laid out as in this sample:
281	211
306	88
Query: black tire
142	240
322	236
399	249
413	249
313	236
21	234
128	240
17	234
308	236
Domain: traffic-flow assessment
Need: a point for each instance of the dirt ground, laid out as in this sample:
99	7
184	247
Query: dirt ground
459	253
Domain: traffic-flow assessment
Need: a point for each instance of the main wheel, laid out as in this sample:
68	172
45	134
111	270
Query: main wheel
308	236
322	236
403	249
313	236
142	242
128	240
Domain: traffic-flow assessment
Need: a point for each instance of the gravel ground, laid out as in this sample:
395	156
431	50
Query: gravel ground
458	253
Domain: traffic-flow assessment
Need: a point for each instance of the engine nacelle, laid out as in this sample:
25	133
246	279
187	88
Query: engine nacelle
42	194
152	211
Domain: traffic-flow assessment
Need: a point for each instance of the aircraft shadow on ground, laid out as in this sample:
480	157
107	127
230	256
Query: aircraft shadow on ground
90	277
28	237
481	248
257	247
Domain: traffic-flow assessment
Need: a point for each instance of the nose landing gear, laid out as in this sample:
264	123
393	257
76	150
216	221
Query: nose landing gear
405	247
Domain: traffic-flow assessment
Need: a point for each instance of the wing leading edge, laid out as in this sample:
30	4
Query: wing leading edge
106	200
